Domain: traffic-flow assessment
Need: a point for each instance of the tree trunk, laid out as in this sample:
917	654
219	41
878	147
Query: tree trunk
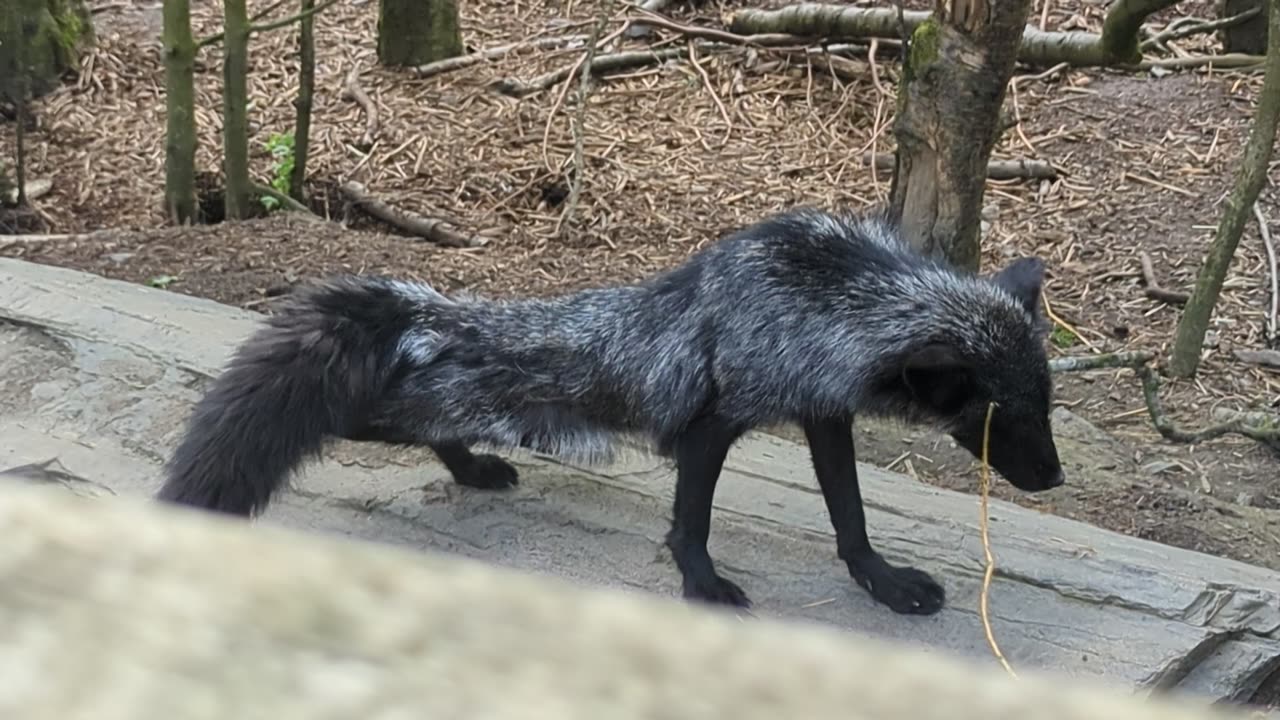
180	136
50	34
235	99
1248	37
960	62
416	32
1184	360
306	90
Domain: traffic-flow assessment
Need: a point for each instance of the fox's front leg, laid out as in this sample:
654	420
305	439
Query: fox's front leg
700	453
904	589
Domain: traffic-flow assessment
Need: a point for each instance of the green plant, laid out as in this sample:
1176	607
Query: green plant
280	145
1062	337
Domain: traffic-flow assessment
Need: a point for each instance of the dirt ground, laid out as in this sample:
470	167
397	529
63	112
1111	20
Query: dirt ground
680	153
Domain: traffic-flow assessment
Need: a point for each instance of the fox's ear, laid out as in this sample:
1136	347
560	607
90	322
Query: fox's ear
938	378
1023	278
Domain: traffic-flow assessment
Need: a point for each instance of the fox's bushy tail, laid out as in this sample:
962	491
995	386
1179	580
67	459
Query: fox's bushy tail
316	370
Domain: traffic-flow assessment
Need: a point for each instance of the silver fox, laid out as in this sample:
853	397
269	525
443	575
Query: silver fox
806	317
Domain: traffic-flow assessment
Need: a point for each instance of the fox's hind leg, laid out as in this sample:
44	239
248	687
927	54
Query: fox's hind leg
904	589
487	472
700	453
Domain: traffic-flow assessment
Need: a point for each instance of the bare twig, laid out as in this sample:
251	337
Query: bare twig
985	493
580	120
711	88
1265	232
996	169
352	91
433	229
1237	426
564	93
1104	361
440	67
1154	290
1048	310
273	25
1178	31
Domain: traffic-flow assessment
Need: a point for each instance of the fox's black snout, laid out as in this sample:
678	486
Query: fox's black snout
1024	454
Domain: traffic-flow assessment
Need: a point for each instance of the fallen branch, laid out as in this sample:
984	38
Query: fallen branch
352	91
1117	45
996	169
1269	359
1154	291
281	198
1100	362
41	238
1256	419
1179	30
433	229
461	62
276	24
1140	362
1227	61
1269	436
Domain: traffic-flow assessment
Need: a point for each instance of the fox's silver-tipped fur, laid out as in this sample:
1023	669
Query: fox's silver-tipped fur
807	317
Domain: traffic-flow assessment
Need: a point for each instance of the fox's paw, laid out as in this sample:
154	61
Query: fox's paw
905	590
717	591
489	472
